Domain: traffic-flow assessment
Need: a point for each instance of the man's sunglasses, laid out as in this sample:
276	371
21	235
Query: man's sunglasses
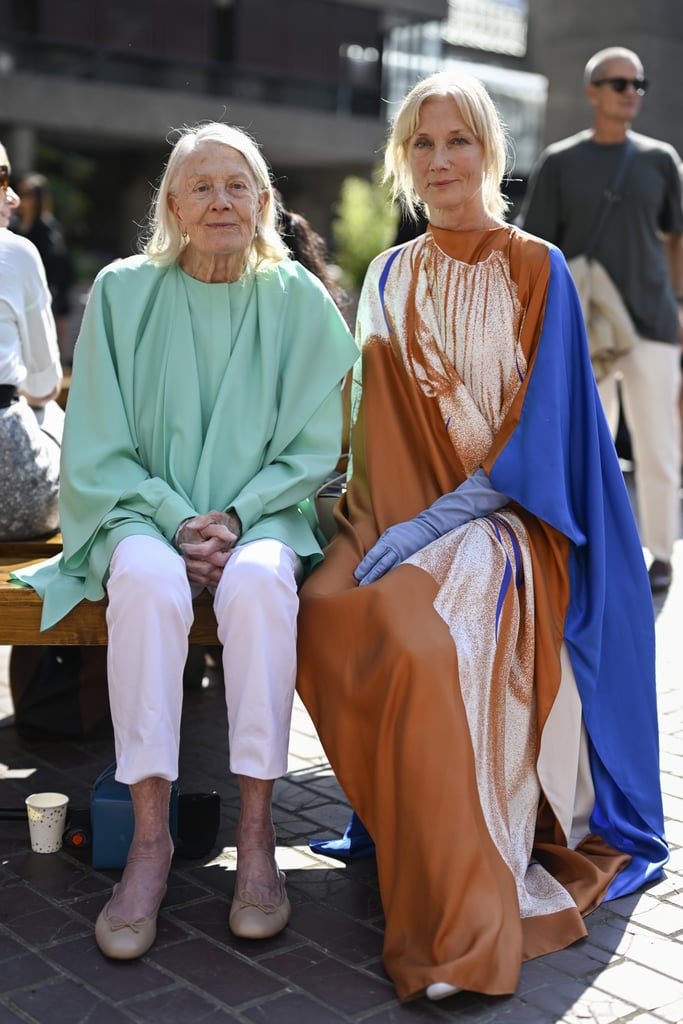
641	85
4	176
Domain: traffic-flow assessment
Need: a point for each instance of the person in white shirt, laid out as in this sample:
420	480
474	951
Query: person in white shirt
31	421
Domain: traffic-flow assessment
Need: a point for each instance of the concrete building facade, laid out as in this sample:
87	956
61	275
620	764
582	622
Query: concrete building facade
102	83
109	81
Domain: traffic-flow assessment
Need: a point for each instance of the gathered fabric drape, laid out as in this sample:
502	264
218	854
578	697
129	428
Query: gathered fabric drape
489	718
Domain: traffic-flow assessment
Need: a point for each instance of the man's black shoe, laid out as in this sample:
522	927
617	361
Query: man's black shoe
660	575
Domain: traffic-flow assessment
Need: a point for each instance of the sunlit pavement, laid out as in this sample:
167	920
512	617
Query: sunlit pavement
326	966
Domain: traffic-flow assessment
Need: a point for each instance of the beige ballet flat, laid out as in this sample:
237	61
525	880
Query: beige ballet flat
126	940
441	990
252	920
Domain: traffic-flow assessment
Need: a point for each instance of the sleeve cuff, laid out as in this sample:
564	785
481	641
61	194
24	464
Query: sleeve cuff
171	513
249	508
39	384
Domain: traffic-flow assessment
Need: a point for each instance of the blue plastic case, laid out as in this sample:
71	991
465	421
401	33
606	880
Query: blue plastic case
112	821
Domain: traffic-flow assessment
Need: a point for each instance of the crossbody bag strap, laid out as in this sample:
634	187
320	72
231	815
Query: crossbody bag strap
610	197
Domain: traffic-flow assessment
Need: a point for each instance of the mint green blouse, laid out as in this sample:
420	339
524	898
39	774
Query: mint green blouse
188	396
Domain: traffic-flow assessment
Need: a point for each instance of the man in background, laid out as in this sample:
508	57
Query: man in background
36	221
640	246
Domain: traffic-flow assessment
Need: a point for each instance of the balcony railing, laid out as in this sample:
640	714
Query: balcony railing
41	55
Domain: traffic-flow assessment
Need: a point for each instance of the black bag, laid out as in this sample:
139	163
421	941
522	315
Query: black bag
58	692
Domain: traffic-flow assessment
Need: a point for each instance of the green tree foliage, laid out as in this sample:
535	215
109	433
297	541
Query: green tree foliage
365	225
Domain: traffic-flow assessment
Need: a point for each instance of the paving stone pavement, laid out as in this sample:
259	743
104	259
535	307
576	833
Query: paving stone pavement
325	968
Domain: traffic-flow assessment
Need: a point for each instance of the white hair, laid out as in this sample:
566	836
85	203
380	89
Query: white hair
163	241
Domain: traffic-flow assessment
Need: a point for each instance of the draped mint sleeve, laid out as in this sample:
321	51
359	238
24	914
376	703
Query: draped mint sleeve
145	446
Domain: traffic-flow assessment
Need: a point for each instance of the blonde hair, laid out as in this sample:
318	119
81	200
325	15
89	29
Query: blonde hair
482	119
163	241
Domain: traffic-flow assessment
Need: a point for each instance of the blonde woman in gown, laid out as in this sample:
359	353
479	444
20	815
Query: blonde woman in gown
462	648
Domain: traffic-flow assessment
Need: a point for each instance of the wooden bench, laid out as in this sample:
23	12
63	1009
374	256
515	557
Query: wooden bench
38	547
85	625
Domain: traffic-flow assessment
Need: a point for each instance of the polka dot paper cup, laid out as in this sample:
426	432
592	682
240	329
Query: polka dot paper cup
46	820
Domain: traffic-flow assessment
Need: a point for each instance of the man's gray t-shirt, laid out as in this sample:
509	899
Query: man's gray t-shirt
563	201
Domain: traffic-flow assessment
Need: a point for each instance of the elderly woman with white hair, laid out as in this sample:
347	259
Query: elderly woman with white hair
205	406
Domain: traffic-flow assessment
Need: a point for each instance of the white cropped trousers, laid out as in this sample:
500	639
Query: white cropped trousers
149	616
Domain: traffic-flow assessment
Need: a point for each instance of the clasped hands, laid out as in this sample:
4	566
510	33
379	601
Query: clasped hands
206	542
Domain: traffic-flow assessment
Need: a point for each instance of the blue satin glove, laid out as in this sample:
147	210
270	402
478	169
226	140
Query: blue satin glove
473	499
